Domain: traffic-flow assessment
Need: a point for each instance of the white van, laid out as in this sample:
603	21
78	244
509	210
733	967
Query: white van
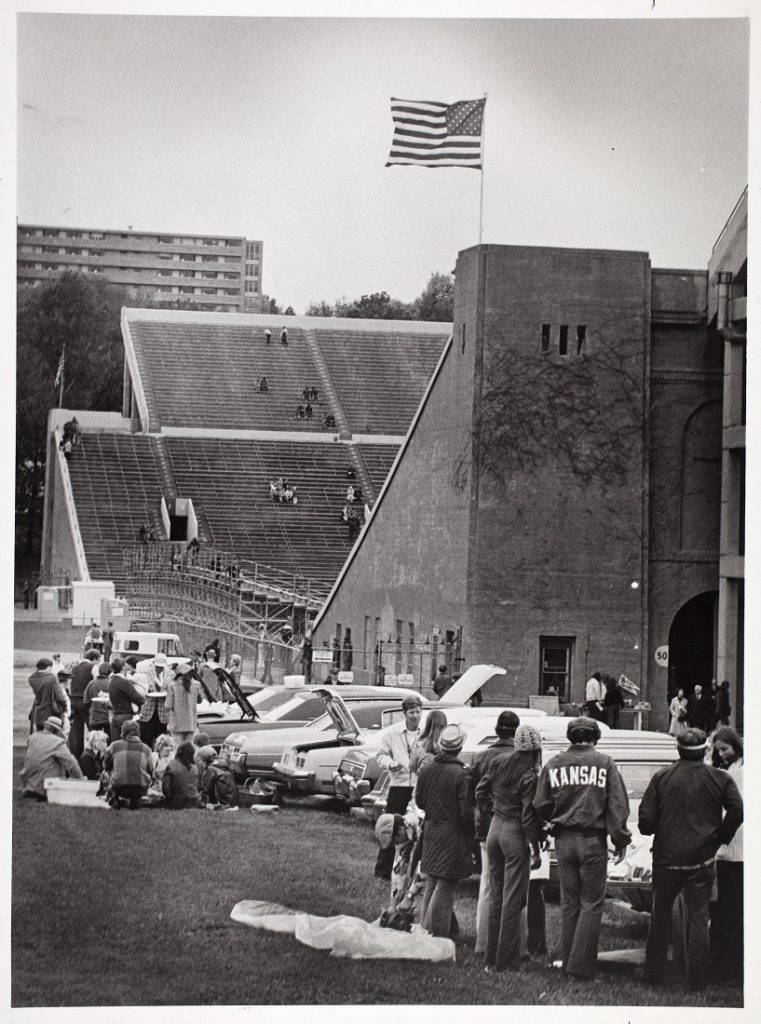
148	645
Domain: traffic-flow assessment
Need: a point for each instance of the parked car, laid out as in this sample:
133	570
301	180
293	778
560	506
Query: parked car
282	718
639	755
312	766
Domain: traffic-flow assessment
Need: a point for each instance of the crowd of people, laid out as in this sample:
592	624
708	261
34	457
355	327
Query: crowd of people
130	725
133	728
507	804
700	710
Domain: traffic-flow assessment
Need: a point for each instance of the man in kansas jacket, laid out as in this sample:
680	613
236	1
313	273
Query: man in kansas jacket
582	794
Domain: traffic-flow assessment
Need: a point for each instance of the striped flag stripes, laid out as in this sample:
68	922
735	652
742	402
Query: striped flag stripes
431	134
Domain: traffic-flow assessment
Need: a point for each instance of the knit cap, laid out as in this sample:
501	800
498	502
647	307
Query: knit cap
527	738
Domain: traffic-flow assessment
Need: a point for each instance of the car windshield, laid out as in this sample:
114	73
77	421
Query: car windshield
636	778
265	702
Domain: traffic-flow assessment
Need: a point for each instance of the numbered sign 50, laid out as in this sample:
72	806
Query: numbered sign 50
662	656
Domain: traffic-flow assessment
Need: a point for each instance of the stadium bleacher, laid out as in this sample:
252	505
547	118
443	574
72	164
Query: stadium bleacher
379	377
116	483
199	375
208	375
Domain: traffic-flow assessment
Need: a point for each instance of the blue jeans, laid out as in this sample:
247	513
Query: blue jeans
696	886
509	867
583	873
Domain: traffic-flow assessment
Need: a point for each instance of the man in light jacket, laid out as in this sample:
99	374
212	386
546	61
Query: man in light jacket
396	745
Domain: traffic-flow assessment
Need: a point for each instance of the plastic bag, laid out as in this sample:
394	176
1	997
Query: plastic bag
343	935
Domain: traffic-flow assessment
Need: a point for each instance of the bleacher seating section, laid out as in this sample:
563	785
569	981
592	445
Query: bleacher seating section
116	483
208	375
117	488
230	480
378	459
380	378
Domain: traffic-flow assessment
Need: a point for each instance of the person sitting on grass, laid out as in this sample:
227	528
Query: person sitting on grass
128	761
180	782
91	761
161	757
218	788
47	757
204	751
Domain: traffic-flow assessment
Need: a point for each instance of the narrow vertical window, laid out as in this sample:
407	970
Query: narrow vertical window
545	338
581	337
563	340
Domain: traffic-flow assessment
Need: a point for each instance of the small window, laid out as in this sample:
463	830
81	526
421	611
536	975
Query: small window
545	338
563	340
581	337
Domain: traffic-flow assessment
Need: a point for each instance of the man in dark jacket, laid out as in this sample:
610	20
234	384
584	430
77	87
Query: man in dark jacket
444	792
582	794
49	695
442	682
81	675
507	723
123	694
699	711
682	808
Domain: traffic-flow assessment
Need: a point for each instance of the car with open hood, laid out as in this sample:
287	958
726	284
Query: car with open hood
283	718
310	767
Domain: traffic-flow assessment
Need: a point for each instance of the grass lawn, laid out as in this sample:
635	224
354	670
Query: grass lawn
132	908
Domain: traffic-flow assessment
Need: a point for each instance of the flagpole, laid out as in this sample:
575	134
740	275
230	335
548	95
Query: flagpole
63	370
483	151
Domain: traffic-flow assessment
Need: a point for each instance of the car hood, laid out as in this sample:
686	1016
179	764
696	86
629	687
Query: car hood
470	682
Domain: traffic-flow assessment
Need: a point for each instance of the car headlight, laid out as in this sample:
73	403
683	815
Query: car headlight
288	755
301	760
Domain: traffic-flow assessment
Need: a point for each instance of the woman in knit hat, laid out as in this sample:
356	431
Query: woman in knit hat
444	793
512	844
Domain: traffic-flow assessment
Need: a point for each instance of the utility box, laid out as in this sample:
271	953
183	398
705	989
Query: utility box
86	600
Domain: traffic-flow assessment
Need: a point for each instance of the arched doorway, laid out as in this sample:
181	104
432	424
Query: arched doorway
692	643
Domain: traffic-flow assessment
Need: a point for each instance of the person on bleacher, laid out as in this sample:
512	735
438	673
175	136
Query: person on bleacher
267	336
284	336
263	385
300	411
308	410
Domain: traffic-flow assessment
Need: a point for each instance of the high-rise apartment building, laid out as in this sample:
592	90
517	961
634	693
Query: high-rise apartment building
208	272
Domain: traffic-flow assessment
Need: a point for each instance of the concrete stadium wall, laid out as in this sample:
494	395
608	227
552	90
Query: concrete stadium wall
554	556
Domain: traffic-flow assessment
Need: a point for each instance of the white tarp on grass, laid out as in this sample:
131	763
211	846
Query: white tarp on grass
344	936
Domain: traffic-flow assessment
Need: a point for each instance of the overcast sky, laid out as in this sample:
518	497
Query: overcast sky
607	134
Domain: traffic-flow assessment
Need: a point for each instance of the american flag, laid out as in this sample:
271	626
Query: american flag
437	134
59	371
